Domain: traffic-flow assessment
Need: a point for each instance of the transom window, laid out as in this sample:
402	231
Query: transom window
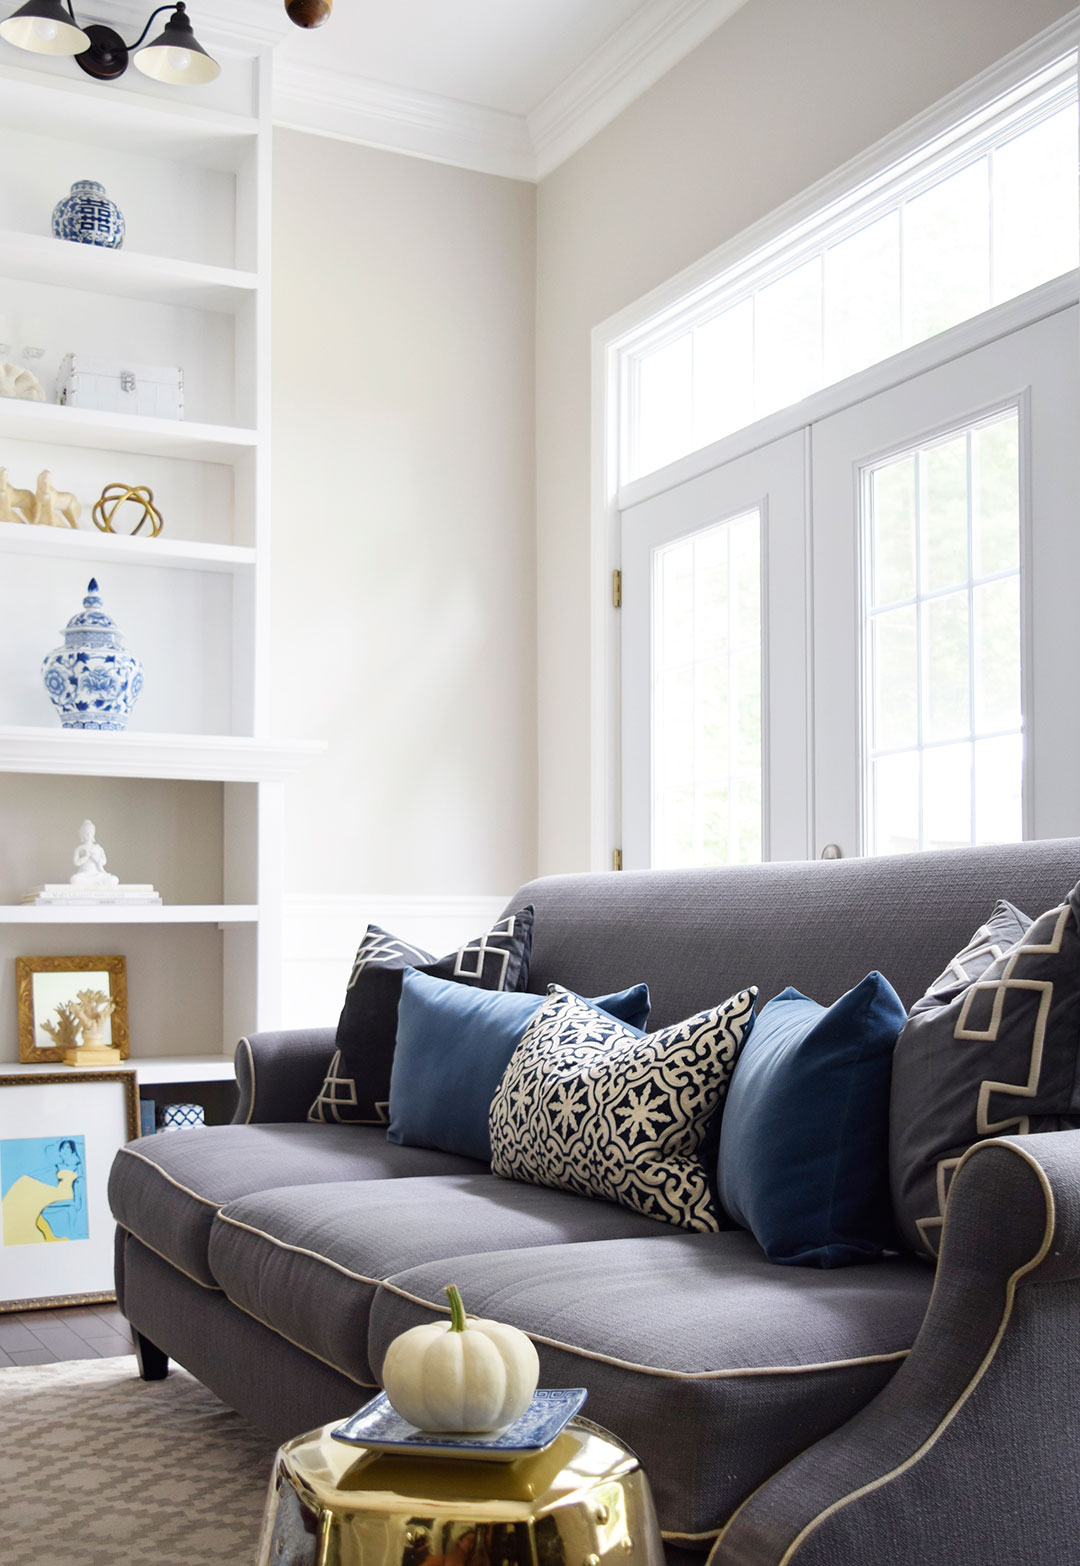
982	214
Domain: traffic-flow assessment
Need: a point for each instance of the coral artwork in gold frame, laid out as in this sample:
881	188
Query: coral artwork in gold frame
60	998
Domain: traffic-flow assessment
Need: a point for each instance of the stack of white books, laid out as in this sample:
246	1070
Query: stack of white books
64	893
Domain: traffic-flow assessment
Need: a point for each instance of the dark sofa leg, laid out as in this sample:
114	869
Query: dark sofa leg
153	1364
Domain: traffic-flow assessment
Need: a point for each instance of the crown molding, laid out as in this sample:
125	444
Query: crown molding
656	37
424	125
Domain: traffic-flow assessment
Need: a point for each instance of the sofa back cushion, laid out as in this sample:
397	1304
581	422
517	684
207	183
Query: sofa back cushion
819	925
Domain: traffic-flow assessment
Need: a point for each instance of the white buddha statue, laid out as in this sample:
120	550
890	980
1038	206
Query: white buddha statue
89	860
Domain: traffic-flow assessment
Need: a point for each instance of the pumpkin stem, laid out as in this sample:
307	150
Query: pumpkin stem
457	1309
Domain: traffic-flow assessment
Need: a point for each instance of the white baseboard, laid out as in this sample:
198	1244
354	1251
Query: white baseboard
321	934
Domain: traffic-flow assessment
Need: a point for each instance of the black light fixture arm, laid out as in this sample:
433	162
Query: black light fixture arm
178	5
107	56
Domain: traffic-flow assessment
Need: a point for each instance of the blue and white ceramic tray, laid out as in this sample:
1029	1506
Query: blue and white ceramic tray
377	1427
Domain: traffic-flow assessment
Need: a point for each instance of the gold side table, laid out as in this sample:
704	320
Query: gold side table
585	1501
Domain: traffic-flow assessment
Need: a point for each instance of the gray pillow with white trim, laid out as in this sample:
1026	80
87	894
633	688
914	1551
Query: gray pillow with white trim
991	1049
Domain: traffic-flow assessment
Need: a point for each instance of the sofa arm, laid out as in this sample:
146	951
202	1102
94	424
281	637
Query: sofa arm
280	1074
969	1453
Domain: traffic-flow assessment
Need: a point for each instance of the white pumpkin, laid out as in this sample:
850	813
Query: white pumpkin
465	1374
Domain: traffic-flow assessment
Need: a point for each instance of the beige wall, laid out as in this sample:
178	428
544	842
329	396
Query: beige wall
781	95
403	534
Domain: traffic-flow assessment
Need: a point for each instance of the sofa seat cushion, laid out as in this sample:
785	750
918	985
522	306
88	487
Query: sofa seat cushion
167	1189
712	1363
308	1262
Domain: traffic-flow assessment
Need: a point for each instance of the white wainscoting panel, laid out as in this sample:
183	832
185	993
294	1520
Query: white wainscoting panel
322	933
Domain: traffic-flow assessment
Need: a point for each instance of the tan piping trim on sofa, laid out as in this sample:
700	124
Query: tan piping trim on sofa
679	1375
212	1288
695	1538
245	1043
299	1250
369	1386
206	1200
988	1359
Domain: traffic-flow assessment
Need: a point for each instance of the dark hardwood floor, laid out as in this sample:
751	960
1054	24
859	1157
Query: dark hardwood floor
44	1337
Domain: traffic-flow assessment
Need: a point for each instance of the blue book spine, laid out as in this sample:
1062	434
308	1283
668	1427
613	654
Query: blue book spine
147	1117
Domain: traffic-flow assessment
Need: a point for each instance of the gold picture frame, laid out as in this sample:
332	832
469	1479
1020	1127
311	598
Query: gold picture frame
65	1126
39	987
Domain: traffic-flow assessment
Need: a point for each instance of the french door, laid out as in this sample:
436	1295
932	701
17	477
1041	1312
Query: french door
860	634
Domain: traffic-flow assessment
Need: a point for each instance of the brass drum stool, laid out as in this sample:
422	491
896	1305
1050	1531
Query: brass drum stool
584	1501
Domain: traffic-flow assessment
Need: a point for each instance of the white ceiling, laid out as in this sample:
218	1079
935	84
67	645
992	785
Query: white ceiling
508	87
496	54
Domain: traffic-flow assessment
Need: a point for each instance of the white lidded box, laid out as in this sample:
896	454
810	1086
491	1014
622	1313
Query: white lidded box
110	386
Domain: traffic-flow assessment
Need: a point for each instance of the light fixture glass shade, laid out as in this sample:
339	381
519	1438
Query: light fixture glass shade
44	27
176	55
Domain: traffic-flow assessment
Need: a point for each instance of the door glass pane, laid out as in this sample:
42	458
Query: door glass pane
942	691
892	535
707	696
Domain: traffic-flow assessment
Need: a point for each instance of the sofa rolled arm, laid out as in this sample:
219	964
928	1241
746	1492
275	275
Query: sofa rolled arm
959	1458
280	1074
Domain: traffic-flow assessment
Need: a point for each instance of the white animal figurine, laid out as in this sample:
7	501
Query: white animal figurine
17	381
16	505
54	507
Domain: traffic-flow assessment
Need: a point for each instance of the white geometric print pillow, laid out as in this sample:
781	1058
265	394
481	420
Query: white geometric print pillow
996	1055
585	1105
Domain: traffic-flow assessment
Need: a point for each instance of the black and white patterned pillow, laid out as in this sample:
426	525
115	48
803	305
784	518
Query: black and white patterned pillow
586	1105
356	1090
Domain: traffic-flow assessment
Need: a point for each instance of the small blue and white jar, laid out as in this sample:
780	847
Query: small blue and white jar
92	680
88	217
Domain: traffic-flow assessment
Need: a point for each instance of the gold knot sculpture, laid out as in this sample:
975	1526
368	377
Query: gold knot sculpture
113	496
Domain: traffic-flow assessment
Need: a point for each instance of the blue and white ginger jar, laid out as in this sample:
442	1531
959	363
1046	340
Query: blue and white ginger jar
88	217
93	681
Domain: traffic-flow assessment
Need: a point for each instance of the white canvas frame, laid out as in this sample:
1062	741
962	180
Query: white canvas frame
98	1110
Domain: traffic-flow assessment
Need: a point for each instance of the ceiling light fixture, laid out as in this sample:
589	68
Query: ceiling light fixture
175	56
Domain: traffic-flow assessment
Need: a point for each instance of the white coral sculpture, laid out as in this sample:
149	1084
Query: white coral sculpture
92	1010
64	1032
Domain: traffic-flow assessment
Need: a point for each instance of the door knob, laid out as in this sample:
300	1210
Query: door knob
832	851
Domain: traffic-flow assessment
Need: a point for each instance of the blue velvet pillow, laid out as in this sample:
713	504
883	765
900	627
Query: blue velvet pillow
804	1142
453	1045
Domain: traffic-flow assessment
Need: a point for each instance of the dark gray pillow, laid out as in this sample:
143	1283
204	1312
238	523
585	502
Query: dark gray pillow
990	1050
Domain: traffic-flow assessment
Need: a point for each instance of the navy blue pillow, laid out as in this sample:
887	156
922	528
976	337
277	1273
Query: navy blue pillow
453	1045
804	1142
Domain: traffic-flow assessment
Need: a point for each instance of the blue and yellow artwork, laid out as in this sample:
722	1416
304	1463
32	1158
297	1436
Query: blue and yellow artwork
43	1190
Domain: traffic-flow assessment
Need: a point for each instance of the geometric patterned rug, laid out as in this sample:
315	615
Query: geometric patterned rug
98	1468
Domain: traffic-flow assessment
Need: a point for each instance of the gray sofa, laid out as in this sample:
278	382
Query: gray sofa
862	1414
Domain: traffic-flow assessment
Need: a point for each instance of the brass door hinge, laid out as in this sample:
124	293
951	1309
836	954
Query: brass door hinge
616	589
616	859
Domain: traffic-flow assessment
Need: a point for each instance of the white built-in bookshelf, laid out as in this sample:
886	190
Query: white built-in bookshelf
190	795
